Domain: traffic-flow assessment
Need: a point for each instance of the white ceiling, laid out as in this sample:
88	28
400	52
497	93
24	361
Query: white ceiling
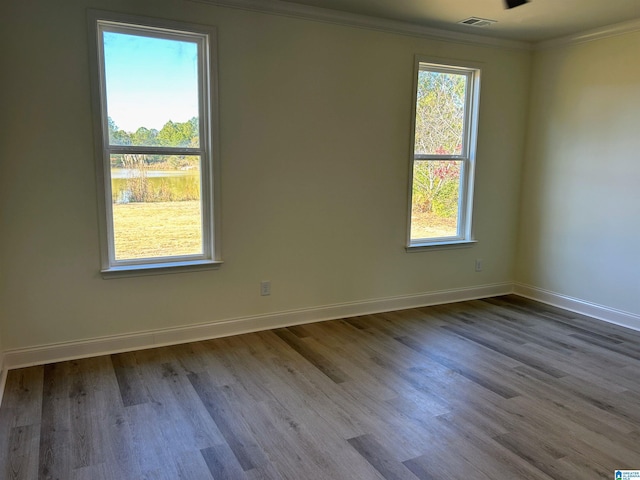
535	21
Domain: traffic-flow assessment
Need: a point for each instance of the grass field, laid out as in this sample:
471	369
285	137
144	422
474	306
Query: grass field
429	225
155	229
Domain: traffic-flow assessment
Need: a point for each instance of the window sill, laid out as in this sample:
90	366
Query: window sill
441	245
159	268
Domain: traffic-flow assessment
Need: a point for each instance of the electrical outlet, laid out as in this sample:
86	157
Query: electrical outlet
265	288
478	264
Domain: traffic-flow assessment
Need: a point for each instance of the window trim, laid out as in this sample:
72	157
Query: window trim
464	235
208	149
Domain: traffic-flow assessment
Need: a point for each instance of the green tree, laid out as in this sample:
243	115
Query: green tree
169	135
178	134
172	134
193	132
145	136
116	135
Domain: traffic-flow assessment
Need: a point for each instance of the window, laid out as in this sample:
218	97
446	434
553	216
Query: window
444	143
155	109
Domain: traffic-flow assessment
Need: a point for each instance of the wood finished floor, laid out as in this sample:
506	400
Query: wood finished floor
502	388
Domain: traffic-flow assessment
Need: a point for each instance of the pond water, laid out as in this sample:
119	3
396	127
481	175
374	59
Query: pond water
129	173
129	185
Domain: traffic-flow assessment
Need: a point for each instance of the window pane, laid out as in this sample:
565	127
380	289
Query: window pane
151	90
440	113
156	206
434	205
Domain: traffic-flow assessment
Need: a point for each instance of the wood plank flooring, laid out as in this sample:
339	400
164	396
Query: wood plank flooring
501	388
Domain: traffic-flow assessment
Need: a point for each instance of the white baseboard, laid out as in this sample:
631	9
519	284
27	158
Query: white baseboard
39	355
42	354
601	312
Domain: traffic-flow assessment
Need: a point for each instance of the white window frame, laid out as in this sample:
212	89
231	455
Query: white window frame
464	236
205	37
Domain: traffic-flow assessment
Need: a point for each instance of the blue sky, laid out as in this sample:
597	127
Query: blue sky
149	80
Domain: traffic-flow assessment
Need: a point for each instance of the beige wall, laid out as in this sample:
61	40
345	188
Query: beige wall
580	220
315	124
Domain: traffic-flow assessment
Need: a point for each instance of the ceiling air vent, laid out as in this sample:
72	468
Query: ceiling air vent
477	22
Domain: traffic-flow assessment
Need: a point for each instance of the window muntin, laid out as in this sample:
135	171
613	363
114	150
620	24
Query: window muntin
156	102
444	129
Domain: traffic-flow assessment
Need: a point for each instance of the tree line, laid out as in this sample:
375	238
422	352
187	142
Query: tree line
137	186
172	134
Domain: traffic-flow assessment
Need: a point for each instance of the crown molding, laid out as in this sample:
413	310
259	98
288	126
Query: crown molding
591	35
279	7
